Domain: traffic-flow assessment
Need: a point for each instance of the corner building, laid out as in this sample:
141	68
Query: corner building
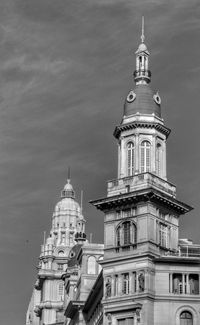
144	274
150	276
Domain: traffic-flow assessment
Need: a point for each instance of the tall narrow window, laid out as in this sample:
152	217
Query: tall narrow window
91	267
118	236
126	234
127	237
164	234
130	158
134	281
159	159
116	285
186	318
194	284
145	156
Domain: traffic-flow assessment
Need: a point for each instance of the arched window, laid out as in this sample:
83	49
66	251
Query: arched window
159	159
164	235
61	253
118	234
91	265
145	156
186	318
126	234
130	158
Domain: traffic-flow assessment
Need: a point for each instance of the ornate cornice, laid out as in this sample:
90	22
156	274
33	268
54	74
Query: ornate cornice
132	198
133	125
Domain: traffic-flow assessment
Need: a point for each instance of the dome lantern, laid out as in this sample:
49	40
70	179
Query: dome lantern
68	191
142	75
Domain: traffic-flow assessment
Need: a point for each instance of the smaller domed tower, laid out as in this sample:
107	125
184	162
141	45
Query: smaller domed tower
68	228
67	219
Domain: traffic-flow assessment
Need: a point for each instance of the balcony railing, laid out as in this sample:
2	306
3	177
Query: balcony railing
142	72
140	181
185	251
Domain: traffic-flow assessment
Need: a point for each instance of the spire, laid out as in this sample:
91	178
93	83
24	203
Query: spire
142	75
142	35
68	191
68	173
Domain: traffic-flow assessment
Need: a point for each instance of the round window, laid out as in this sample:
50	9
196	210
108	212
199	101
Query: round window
157	98
131	96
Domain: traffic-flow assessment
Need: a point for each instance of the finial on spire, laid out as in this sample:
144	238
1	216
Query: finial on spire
68	188
68	173
142	35
81	201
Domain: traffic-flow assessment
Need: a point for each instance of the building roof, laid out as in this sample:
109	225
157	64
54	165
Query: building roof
144	102
73	254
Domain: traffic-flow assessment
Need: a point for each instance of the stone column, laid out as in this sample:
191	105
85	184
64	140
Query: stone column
153	155
130	282
199	282
123	159
187	284
183	283
119	159
164	169
135	319
112	286
170	283
137	150
120	285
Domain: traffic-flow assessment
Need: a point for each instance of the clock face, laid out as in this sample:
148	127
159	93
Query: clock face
131	96
157	98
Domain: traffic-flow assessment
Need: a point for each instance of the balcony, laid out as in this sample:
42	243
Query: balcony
142	73
185	252
140	182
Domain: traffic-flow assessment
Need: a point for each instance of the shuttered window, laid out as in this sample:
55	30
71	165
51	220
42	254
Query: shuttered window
130	158
159	159
145	157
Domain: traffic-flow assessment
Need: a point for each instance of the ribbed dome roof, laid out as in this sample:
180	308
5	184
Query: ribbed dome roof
67	204
143	103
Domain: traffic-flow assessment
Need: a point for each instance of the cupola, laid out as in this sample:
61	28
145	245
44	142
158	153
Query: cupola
142	100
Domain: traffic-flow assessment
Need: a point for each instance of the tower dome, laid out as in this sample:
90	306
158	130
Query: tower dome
142	100
68	201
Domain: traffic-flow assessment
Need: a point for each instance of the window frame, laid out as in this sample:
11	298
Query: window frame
145	156
126	233
130	158
182	320
94	266
159	159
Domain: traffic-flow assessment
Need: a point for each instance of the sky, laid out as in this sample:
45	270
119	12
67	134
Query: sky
65	70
